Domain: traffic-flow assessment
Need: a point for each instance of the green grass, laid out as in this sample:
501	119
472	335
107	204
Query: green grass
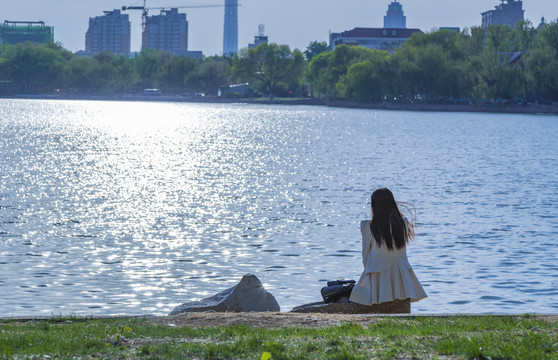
456	337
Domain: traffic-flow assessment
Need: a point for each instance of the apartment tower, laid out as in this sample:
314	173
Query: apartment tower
108	32
167	32
509	12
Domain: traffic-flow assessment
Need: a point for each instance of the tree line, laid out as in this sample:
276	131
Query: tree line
495	63
478	64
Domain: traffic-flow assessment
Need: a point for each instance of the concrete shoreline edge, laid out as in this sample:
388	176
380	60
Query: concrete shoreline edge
402	316
543	109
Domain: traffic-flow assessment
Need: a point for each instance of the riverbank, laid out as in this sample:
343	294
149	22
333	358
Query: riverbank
283	336
488	108
549	109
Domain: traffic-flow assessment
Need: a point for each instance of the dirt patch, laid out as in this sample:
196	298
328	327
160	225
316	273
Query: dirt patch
274	320
271	320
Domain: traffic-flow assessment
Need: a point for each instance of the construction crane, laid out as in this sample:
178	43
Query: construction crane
143	15
145	10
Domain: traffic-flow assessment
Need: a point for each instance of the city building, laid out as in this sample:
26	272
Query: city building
167	32
110	32
372	38
260	38
542	24
509	12
450	28
394	18
392	35
230	31
14	32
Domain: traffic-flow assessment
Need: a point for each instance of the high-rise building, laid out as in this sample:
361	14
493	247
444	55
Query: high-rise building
108	32
230	31
394	18
509	12
14	32
167	32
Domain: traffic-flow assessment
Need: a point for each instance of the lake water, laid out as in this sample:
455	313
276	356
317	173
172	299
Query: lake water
133	208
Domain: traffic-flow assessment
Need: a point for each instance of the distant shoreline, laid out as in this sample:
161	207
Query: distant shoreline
489	108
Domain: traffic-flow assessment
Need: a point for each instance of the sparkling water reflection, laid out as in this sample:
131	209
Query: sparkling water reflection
133	208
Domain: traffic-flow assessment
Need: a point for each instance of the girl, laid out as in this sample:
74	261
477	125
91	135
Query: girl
387	273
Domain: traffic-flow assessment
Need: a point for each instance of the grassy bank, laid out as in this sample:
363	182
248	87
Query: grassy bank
455	337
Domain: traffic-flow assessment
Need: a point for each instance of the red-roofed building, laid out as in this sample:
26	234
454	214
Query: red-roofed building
393	34
372	38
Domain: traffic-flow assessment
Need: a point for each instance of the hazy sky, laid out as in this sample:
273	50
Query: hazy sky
292	22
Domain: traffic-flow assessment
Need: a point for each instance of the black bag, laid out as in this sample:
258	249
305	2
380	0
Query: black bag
340	282
337	289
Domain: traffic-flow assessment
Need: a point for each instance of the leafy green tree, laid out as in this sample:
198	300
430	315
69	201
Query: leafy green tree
319	76
327	72
369	80
541	71
339	62
449	41
104	72
125	75
173	71
104	57
541	62
210	75
476	44
315	48
432	65
84	75
147	64
271	65
495	78
548	36
522	36
408	76
34	67
498	37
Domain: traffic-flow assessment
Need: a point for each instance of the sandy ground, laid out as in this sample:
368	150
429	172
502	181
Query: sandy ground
269	320
273	320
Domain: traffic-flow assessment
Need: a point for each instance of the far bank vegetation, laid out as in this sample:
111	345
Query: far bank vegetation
496	64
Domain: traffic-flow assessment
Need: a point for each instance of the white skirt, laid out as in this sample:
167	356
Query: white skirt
378	287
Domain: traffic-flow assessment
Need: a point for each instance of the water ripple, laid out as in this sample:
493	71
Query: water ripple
120	208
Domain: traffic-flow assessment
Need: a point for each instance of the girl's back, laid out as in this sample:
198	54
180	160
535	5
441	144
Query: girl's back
379	258
387	274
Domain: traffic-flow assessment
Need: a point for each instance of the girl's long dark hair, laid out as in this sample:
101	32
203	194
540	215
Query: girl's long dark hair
387	225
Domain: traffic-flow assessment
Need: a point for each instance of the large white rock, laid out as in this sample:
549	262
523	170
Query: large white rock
248	295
